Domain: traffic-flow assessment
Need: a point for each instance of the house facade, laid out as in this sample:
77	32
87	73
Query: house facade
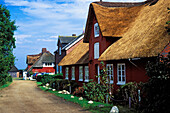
75	64
41	63
14	72
119	35
65	44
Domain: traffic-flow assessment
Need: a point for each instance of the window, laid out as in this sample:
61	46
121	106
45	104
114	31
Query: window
48	65
73	73
86	73
80	73
66	74
59	50
60	69
96	50
57	68
96	30
121	74
109	69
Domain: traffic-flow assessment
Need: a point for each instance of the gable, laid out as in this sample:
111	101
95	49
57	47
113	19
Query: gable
113	21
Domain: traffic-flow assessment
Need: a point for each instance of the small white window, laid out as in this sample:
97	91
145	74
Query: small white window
121	73
96	30
86	73
96	50
80	73
66	74
59	50
73	73
109	69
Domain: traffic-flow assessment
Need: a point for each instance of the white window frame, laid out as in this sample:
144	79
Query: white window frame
121	82
48	64
96	50
80	73
73	73
66	72
96	30
86	68
110	72
59	50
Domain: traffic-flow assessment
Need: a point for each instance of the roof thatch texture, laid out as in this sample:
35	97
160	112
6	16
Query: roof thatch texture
45	58
145	37
31	59
79	55
113	21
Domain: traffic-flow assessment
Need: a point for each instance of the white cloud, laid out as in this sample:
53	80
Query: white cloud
46	40
54	37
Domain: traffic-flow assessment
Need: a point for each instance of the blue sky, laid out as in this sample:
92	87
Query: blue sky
41	21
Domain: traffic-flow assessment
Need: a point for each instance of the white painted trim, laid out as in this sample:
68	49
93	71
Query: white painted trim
121	82
74	42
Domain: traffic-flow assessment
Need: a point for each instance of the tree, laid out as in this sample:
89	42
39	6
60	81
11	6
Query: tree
7	43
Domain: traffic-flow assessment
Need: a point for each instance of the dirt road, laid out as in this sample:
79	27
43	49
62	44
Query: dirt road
25	97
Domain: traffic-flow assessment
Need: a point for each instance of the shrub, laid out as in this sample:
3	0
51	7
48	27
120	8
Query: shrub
95	91
79	92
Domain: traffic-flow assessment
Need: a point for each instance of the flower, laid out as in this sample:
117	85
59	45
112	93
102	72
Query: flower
90	102
81	98
72	96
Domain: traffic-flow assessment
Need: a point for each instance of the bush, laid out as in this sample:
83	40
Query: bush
79	92
156	94
129	90
95	91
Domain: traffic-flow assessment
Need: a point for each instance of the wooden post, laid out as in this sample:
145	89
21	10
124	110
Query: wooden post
70	89
107	99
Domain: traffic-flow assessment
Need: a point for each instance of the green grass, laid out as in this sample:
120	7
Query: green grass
17	78
84	103
5	85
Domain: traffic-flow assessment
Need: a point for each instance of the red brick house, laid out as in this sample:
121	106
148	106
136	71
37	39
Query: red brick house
125	36
41	63
65	45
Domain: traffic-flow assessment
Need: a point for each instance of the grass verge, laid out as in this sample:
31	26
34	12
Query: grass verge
5	85
94	108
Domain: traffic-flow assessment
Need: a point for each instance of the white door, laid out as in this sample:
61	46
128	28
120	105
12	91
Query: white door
98	73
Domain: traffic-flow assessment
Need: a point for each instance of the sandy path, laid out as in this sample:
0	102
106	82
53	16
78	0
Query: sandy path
25	97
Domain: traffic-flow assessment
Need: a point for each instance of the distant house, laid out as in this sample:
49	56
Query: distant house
41	63
14	72
75	64
125	36
65	45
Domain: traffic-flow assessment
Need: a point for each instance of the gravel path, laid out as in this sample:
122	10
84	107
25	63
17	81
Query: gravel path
25	97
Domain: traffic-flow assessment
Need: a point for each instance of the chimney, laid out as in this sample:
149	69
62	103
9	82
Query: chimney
44	50
100	0
73	34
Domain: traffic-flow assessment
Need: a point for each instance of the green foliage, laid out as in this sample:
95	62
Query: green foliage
95	91
156	93
79	92
5	85
129	90
7	43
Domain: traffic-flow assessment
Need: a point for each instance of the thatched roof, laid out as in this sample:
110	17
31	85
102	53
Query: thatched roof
79	55
114	19
31	59
45	58
146	36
